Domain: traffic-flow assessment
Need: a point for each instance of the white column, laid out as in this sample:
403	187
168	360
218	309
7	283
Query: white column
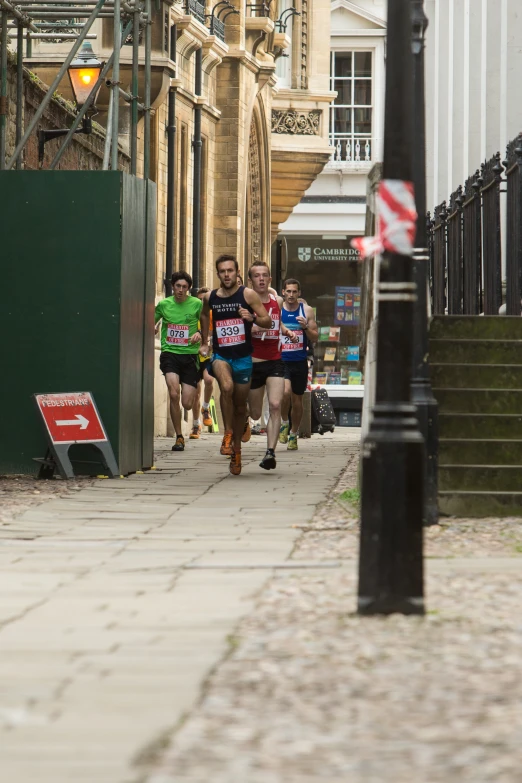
451	76
466	93
503	74
436	99
483	80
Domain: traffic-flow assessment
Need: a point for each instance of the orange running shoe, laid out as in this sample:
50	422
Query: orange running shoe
207	418
235	463
245	437
226	445
196	431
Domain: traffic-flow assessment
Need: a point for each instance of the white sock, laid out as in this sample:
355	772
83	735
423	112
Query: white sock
206	406
196	423
284	423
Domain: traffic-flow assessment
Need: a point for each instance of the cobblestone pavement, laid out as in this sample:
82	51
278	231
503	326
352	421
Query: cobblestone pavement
311	692
118	599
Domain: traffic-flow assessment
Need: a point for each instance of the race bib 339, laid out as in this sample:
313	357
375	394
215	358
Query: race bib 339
230	332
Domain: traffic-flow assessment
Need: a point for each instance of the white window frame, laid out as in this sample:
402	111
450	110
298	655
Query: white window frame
370	41
351	147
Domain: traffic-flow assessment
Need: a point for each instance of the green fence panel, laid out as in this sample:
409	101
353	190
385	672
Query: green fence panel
72	304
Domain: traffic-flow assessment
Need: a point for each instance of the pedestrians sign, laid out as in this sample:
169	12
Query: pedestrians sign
71	417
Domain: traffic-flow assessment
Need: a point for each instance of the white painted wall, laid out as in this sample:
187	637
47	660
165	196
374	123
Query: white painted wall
473	87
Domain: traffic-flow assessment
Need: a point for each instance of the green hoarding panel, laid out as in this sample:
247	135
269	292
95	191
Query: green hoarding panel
63	304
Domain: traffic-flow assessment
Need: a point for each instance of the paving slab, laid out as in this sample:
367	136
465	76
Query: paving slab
118	601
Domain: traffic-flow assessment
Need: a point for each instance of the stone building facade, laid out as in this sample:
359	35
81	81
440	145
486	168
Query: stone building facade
263	142
264	138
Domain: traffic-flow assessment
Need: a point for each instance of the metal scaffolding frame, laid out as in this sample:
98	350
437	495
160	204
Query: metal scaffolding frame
55	20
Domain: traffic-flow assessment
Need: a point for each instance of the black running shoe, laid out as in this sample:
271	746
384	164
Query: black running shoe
179	444
269	461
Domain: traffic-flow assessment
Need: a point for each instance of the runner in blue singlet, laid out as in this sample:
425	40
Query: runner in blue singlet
299	318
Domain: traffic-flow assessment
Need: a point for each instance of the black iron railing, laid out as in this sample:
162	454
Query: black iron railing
513	166
465	244
195	9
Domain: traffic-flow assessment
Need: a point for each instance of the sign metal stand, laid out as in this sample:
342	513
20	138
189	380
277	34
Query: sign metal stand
69	418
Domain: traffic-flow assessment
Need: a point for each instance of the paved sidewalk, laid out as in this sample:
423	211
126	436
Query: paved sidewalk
116	604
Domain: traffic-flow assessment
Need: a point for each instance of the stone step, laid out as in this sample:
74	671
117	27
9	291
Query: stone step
500	401
480	426
480	478
476	376
480	504
479	452
460	351
476	327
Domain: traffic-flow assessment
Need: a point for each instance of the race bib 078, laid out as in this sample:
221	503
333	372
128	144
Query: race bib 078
230	332
177	334
287	345
267	334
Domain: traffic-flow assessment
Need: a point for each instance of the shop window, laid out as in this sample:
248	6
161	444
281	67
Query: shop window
351	111
329	272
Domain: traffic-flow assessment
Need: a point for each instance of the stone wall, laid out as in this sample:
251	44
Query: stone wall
83	152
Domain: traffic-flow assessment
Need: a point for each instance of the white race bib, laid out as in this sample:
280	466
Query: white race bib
230	332
177	334
287	345
268	334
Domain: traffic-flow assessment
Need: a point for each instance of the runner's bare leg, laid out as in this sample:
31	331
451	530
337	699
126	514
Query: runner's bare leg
197	400
223	375
285	408
274	390
188	394
240	398
297	411
172	380
255	402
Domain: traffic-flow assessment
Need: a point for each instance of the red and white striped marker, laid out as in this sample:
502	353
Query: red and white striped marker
396	221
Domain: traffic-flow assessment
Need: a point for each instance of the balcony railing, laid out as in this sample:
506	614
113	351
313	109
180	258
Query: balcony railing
195	9
351	148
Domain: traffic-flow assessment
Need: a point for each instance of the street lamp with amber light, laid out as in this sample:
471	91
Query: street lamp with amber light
84	73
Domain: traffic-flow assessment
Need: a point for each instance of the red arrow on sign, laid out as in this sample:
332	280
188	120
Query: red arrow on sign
78	420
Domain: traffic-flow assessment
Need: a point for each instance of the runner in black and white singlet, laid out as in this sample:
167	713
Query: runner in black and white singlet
299	318
234	309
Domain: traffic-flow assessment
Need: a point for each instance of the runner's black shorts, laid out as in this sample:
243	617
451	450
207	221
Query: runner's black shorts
272	368
185	365
297	374
204	364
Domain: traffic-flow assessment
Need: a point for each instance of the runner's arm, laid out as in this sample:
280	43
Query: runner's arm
309	324
205	322
261	317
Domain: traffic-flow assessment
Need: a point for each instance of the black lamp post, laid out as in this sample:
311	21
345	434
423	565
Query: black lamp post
83	74
390	558
421	391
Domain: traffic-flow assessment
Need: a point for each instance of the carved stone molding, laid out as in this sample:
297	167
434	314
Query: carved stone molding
301	123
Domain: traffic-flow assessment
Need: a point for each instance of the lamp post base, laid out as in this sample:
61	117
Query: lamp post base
391	575
428	417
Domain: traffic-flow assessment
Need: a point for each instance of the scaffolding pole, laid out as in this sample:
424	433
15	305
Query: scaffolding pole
134	88
48	96
146	131
115	96
3	89
19	88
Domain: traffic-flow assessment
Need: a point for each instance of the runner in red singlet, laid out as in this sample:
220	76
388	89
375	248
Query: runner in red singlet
268	368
